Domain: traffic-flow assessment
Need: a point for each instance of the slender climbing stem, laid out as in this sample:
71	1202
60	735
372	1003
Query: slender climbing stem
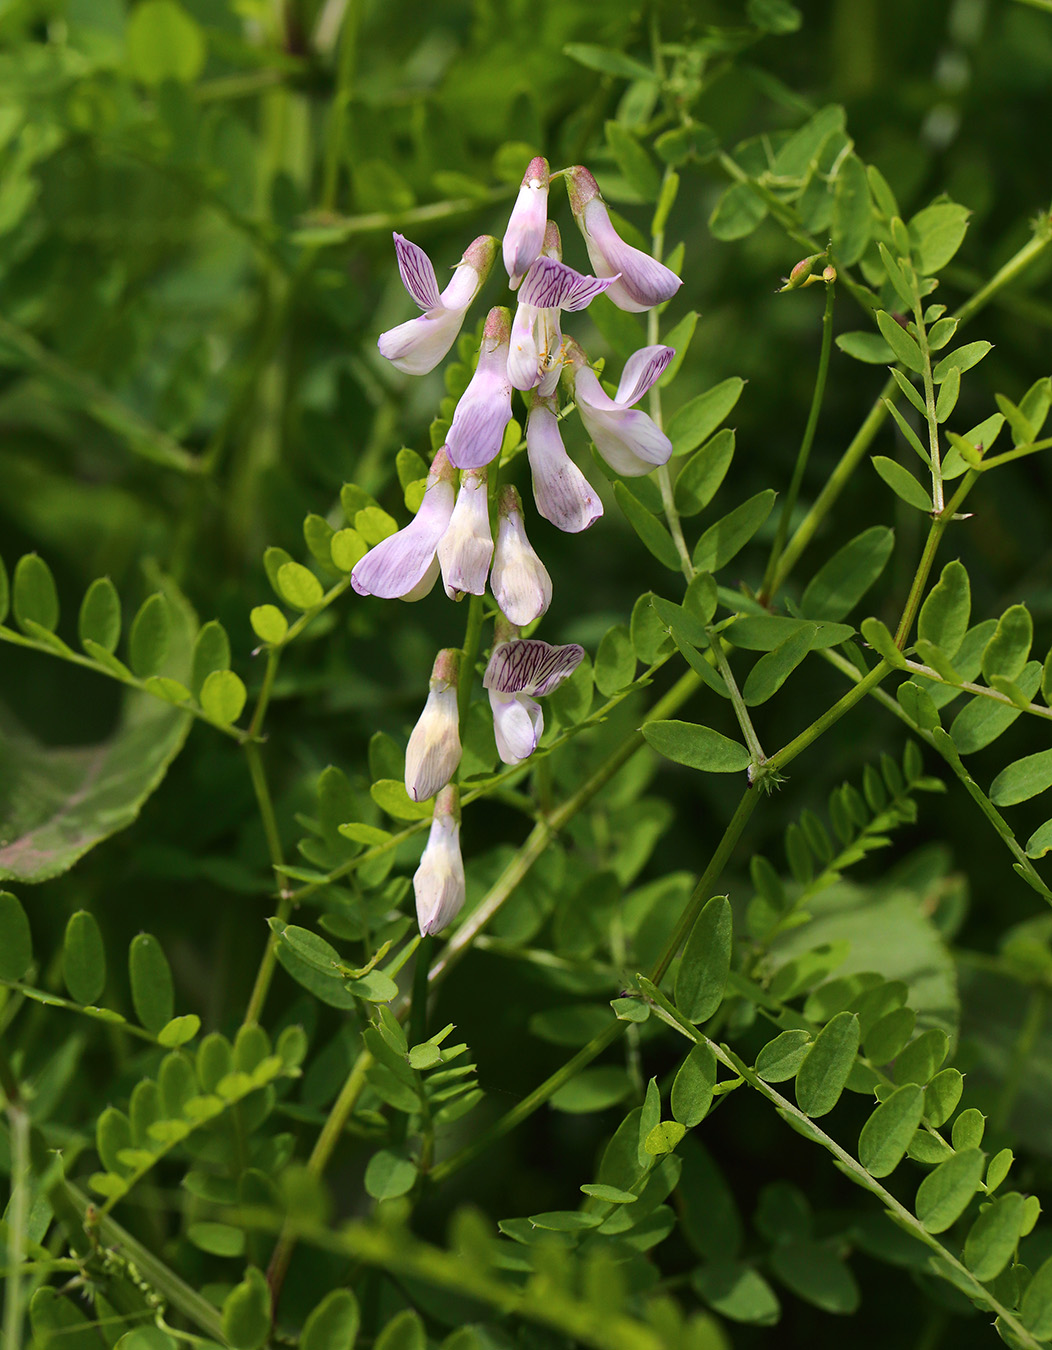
931	547
929	405
767	593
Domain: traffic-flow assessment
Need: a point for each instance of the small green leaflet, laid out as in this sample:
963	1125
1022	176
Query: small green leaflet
697	747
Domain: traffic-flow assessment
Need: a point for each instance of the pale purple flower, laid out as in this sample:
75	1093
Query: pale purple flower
629	441
516	670
520	582
433	752
404	566
438	882
418	345
550	287
644	282
484	410
525	233
465	550
562	493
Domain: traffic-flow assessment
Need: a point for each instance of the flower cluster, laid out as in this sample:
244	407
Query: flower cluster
452	532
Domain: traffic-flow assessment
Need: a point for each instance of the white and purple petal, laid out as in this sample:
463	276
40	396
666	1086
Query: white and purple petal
519	581
552	285
642	371
438	883
518	722
466	548
562	493
418	273
524	237
530	666
484	409
401	565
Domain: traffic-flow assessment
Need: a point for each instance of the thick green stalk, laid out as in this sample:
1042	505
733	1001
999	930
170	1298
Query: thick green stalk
339	108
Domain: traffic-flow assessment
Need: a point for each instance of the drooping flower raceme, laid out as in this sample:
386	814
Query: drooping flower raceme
433	752
562	493
417	346
484	409
550	287
520	672
465	550
644	282
525	233
404	566
520	582
438	882
630	441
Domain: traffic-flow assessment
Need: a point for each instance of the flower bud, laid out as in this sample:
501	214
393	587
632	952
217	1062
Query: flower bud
466	548
438	882
520	582
524	236
433	752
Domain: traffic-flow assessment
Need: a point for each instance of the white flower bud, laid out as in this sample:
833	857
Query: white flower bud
433	752
520	582
438	882
466	548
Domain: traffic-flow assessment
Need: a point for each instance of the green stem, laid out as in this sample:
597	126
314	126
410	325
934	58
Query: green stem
821	724
741	712
1022	1058
789	505
469	654
339	109
929	406
340	230
931	547
273	836
18	1205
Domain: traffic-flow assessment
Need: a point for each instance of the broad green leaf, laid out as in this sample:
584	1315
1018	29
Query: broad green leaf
268	623
902	483
906	351
648	527
58	1324
650	639
317	535
942	1096
1036	1309
593	1090
852	212
799	155
703	473
821	1078
887	1133
692	1087
298	586
968	1129
738	1292
936	234
1040	842
780	1059
702	975
58	802
720	542
737	213
16	941
615	661
100	615
763	633
696	746
346	548
390	795
150	635
607	60
390	1174
1022	780
774	16
33	594
772	670
992	1239
84	958
868	347
246	1312
815	1272
179	1031
982	720
961	359
838	586
404	1331
921	1059
889	1035
896	276
163	43
223	696
918	705
663	1138
695	422
943	618
1036	402
211	652
151	982
679	339
333	1325
944	1194
949	392
1007	651
635	163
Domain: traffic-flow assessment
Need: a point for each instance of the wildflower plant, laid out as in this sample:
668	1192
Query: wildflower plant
640	941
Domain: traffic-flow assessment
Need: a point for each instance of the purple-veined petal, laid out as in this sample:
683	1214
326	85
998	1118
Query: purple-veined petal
484	409
524	237
562	493
399	565
519	581
630	442
552	285
418	274
438	883
523	359
466	548
642	371
530	666
517	725
418	345
644	282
